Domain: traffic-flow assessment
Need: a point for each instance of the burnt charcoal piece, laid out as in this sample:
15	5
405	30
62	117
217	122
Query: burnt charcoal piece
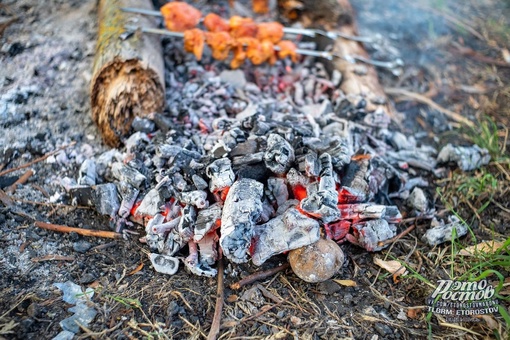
82	195
180	236
154	240
198	198
128	195
199	182
310	164
371	233
245	148
151	204
202	267
128	174
277	190
164	264
362	211
444	232
208	251
221	174
467	158
163	123
257	171
241	211
143	125
87	173
322	203
207	219
106	199
178	158
355	187
279	155
285	232
335	146
163	228
248	159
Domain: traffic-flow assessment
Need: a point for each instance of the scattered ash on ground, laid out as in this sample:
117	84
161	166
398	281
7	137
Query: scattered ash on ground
47	55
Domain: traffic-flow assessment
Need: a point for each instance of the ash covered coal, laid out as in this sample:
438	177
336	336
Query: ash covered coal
256	162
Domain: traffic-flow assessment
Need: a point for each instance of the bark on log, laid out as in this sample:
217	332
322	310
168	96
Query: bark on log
338	15
128	74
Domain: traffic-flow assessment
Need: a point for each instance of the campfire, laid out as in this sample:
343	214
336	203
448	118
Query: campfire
266	145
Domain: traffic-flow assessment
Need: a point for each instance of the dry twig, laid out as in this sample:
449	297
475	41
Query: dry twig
37	160
22	180
258	276
80	231
53	257
215	326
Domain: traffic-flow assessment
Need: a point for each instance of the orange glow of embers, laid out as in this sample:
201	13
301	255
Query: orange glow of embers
224	193
299	192
337	230
360	157
134	207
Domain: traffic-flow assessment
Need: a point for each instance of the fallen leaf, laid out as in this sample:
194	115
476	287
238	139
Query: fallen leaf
487	247
414	313
393	266
136	270
347	283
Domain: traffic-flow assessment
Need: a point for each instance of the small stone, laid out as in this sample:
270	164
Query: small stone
81	246
317	262
418	200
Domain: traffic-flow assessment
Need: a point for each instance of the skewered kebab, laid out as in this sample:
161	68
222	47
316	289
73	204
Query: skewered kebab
243	48
215	23
245	27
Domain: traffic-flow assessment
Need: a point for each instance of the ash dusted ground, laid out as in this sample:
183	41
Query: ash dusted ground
46	57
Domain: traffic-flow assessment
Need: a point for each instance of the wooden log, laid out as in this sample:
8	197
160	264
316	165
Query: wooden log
128	73
338	15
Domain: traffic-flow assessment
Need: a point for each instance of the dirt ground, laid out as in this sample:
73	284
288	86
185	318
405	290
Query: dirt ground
451	50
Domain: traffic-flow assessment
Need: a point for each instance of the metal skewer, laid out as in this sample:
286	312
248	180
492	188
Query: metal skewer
394	66
312	33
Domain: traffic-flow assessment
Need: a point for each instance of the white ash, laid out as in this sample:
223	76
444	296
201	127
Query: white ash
444	232
467	158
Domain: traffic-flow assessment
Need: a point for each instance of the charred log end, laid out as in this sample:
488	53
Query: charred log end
123	90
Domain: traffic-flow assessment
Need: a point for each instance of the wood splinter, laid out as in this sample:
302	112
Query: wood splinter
80	231
259	276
